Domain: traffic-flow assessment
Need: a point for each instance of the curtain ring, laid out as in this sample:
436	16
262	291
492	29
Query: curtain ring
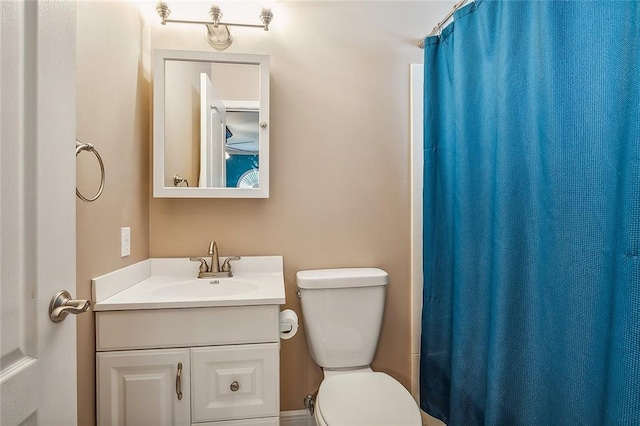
88	147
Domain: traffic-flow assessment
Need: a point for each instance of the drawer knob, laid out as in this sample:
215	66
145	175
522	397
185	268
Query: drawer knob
234	386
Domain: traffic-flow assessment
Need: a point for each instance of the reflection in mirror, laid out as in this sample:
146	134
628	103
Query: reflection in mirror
211	119
213	135
242	147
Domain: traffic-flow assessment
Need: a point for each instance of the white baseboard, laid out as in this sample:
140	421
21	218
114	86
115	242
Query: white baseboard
296	418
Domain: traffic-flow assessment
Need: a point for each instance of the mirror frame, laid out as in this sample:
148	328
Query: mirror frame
161	191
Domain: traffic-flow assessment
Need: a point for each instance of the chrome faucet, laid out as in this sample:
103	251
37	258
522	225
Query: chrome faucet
213	270
215	260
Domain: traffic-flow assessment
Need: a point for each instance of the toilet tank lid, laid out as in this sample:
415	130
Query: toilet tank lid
342	278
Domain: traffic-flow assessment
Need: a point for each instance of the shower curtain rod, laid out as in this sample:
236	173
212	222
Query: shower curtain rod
438	28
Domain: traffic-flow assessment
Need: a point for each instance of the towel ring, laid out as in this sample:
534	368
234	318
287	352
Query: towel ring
88	147
177	180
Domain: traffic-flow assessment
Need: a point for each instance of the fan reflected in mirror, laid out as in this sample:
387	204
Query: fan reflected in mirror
250	179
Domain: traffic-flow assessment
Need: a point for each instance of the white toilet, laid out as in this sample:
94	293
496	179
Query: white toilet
342	311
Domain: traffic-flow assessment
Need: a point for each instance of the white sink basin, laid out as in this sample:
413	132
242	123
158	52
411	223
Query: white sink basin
206	288
172	283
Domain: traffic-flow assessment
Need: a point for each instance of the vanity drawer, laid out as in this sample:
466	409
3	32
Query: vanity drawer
233	382
171	328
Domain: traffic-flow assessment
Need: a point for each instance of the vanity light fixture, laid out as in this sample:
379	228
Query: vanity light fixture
218	34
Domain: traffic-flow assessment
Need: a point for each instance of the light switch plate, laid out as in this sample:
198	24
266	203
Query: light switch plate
125	241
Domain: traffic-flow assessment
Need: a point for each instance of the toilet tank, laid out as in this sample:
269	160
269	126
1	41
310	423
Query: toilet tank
342	313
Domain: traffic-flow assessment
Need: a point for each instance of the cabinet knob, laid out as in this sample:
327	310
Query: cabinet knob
234	386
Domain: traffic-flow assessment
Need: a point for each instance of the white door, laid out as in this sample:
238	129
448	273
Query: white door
213	141
37	211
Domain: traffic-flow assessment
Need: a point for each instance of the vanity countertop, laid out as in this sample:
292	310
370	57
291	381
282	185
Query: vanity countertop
167	283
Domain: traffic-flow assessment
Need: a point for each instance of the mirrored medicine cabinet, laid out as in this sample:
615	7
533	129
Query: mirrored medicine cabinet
210	125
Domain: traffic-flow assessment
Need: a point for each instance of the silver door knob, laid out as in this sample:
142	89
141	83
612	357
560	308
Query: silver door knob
234	386
62	305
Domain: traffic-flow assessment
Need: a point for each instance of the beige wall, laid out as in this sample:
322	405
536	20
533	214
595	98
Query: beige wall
182	120
113	114
340	192
236	82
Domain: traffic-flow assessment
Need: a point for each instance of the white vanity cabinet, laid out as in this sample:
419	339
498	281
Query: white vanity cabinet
216	366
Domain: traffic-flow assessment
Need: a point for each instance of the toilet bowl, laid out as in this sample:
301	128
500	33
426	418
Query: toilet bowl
364	398
342	312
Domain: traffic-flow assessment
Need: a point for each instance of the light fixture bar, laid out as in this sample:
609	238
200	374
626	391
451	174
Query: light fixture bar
163	10
228	24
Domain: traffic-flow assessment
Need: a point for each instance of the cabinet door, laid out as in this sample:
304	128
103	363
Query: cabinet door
141	387
235	382
266	421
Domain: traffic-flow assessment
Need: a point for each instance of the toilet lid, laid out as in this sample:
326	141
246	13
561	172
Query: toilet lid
366	399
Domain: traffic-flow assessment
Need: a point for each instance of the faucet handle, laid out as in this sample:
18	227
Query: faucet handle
226	266
203	263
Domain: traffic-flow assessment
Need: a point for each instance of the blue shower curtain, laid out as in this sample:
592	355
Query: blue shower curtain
531	312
